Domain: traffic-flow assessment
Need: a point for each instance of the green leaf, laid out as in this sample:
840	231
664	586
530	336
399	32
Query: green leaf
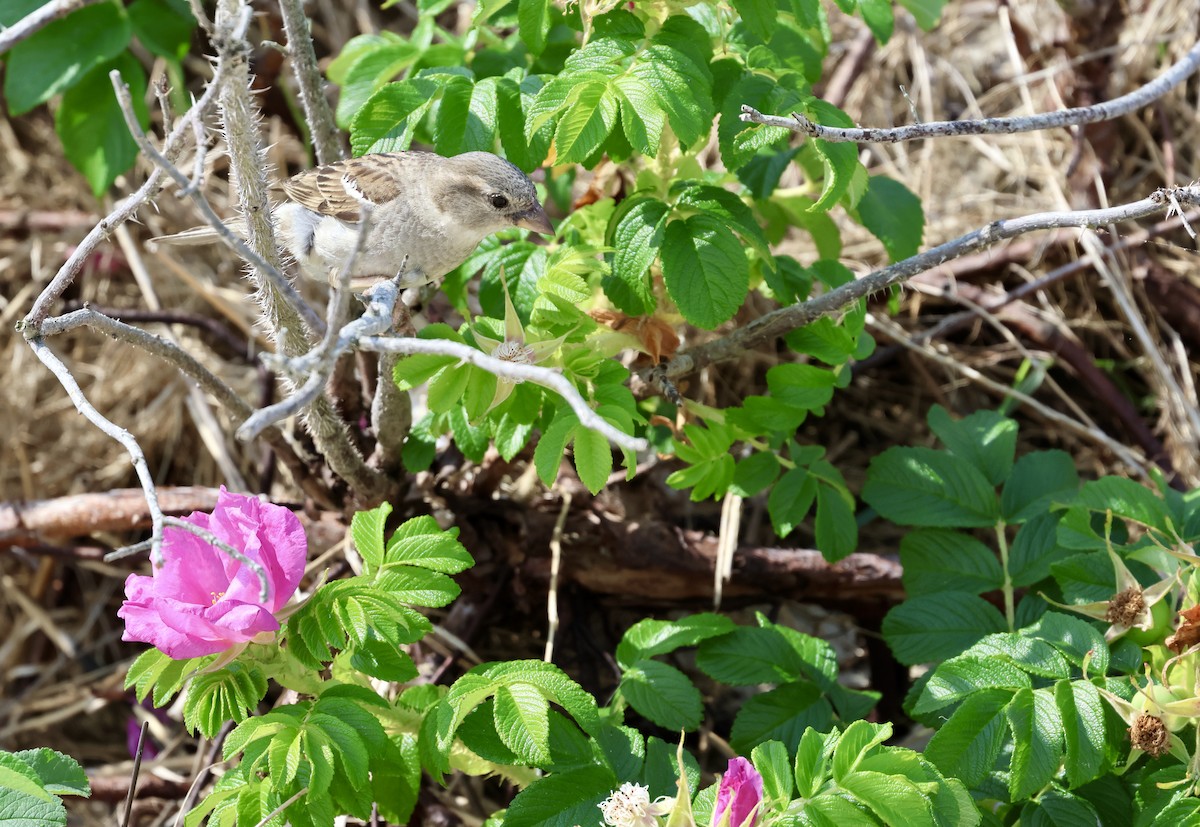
966	745
772	762
642	118
533	20
748	656
1059	809
835	526
1036	481
879	19
895	799
91	127
985	439
890	210
1037	730
648	638
662	694
593	458
682	84
548	455
935	627
859	739
760	16
1035	549
782	714
938	560
1126	499
705	270
229	694
1074	637
422	542
584	126
386	122
562	799
790	500
52	60
60	774
801	386
839	160
467	117
163	26
1035	656
1082	712
920	486
522	720
24	801
926	12
812	761
956	679
366	528
755	473
723	204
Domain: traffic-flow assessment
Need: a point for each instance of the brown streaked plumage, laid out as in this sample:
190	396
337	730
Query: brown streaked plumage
429	213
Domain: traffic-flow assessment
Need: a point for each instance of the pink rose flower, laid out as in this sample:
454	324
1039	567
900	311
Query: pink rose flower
201	601
739	796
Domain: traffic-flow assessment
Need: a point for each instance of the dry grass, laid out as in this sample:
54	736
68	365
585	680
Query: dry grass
61	667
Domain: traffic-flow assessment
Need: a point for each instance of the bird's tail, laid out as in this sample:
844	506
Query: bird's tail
196	235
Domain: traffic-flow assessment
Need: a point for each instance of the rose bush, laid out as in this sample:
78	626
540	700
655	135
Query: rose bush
202	601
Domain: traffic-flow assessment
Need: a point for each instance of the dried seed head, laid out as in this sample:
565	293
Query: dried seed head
1150	735
1126	607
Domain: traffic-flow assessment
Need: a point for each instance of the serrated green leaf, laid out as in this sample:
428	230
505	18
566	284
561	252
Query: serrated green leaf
705	270
648	638
731	209
1059	809
682	86
593	458
374	64
1037	479
920	486
748	656
835	526
858	739
1035	656
662	694
812	761
588	119
877	14
760	16
956	679
781	714
790	500
935	627
895	799
1074	637
62	53
60	774
23	798
753	474
533	20
772	762
366	528
541	804
636	234
548	455
966	745
521	714
985	439
467	117
642	119
553	683
937	560
386	122
1037	731
1082	712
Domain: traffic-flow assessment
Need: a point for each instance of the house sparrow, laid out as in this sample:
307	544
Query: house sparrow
429	214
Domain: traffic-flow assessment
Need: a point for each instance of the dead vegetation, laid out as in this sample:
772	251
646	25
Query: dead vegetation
639	548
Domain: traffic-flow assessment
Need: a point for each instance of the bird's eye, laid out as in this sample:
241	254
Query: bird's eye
498	201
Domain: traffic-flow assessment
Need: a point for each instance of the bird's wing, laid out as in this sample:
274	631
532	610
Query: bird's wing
340	189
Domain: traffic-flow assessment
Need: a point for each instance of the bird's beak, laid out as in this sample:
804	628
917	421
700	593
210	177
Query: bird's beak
536	220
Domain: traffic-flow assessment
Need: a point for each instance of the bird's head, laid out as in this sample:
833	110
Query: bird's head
489	194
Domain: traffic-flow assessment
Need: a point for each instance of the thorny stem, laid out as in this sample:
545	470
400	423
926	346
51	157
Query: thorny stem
1080	115
1002	543
321	127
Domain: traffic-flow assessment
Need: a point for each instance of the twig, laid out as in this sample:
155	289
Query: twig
123	211
328	431
555	568
134	773
364	333
319	362
37	19
321	127
278	282
63	374
512	371
785	319
1104	111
